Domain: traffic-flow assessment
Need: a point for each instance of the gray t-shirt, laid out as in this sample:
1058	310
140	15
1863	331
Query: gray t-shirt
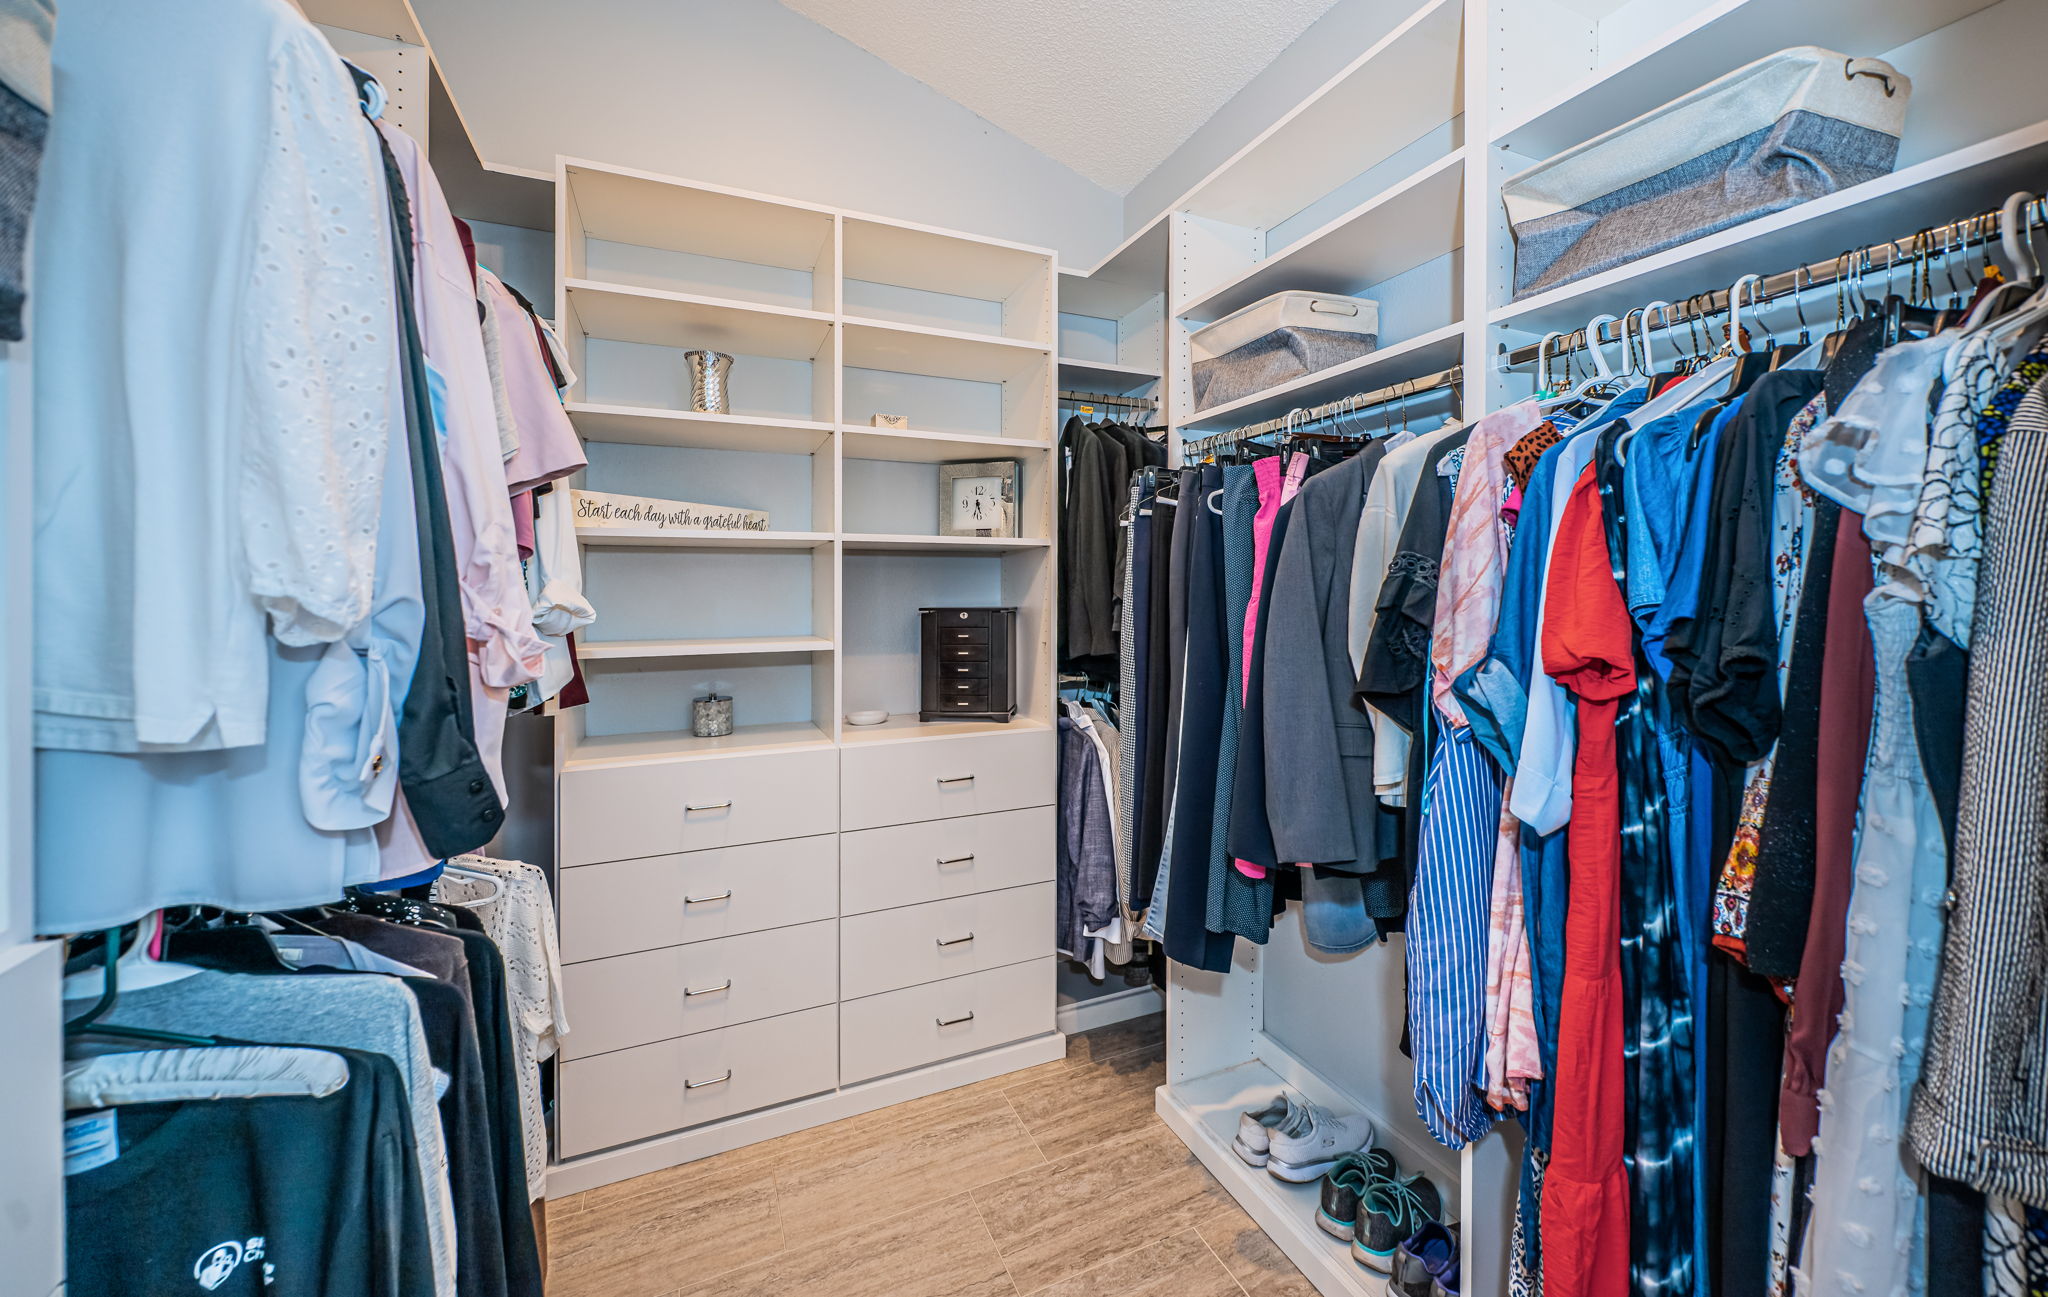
371	1013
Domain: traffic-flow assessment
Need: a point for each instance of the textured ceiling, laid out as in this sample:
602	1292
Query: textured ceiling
1108	89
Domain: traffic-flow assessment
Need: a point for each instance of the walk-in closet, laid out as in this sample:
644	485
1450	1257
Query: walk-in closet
883	648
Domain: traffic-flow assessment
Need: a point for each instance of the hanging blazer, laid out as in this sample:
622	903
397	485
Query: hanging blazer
1319	791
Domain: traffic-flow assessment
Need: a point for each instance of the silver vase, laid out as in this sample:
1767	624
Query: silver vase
711	716
709	393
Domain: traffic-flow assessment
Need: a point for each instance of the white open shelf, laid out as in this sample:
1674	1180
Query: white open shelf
1417	357
1203	1112
1386	98
621	205
1132	274
598	650
1930	193
655	427
905	727
940	353
1396	230
1102	376
655	537
624	313
872	543
935	261
1706	43
914	447
590	752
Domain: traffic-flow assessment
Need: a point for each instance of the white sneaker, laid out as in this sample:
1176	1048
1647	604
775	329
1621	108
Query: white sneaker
1254	1129
1313	1145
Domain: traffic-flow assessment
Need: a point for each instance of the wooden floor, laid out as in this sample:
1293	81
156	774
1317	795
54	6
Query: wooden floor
1057	1180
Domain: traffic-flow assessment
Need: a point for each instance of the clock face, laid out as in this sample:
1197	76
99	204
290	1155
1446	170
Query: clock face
977	502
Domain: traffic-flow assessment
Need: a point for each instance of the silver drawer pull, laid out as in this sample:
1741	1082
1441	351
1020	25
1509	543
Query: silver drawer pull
716	1080
955	860
955	779
725	895
726	985
954	1022
956	941
708	806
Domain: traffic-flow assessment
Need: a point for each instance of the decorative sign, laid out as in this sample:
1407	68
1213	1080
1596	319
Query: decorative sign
603	511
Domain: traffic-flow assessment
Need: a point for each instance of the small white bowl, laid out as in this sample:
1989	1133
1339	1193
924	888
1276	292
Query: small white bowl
866	718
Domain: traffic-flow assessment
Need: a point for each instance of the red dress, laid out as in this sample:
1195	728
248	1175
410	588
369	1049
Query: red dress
1588	648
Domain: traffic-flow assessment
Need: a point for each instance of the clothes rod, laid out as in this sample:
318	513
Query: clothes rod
1103	398
1302	418
1922	250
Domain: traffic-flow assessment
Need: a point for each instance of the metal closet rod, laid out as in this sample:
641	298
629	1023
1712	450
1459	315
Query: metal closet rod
1300	418
1103	398
1927	245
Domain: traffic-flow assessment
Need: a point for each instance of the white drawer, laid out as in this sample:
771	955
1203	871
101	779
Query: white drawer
930	779
924	943
626	905
632	1094
657	994
923	1024
623	812
907	864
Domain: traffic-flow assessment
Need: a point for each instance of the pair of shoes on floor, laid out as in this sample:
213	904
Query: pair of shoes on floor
1298	1141
1426	1264
1367	1200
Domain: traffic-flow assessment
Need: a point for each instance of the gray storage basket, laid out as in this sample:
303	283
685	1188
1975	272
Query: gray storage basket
1277	339
1788	128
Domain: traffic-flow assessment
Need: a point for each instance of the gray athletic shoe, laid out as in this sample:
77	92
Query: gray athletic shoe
1307	1151
1254	1129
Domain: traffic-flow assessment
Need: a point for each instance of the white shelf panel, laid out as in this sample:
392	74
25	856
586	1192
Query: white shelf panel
627	314
639	207
1203	1112
912	447
873	543
646	426
640	749
1398	229
1101	376
1930	193
1385	99
654	537
941	353
1131	275
1715	40
599	650
904	727
1429	353
914	256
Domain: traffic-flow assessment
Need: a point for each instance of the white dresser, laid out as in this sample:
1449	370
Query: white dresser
802	919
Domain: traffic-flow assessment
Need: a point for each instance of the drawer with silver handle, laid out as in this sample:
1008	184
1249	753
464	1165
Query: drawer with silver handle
657	994
626	905
888	949
634	1094
658	807
908	864
898	1030
930	779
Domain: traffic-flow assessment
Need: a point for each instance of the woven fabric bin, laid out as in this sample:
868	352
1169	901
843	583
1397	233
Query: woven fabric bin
1279	338
1786	129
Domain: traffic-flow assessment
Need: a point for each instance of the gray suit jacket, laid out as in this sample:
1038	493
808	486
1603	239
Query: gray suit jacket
1319	790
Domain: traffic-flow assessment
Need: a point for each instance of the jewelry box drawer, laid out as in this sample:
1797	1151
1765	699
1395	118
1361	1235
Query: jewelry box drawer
649	1090
626	905
909	864
931	779
624	812
890	949
903	1029
659	994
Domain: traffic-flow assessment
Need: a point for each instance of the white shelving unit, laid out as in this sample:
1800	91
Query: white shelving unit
831	317
1385	182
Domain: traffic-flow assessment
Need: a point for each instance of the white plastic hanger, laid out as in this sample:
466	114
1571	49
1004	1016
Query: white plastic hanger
1602	371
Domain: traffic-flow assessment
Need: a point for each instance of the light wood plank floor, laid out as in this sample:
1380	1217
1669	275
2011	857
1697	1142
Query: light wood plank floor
1058	1181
